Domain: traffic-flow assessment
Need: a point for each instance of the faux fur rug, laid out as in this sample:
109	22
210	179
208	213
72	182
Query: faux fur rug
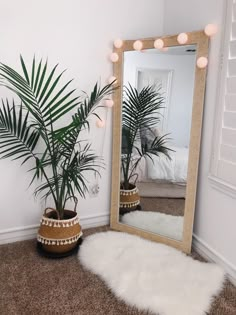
151	276
156	222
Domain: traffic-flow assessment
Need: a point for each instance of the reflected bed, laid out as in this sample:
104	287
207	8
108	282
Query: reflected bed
161	177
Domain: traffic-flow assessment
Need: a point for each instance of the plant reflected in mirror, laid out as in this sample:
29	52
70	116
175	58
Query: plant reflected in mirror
140	113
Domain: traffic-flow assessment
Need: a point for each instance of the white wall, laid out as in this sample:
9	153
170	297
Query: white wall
181	89
215	215
78	34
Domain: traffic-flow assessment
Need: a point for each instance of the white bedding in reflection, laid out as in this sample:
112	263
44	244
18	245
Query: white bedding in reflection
174	170
155	222
163	169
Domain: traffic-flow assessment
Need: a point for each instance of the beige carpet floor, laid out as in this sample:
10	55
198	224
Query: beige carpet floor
173	206
30	284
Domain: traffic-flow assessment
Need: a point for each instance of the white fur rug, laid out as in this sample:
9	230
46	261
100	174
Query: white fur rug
156	222
151	276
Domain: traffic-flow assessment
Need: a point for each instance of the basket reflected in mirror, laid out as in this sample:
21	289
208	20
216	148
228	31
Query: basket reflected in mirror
129	199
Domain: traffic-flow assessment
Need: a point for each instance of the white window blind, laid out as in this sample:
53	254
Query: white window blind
224	155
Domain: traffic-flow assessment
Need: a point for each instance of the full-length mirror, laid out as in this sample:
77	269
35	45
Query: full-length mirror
157	127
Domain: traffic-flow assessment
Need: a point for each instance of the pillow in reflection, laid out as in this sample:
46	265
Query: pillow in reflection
148	135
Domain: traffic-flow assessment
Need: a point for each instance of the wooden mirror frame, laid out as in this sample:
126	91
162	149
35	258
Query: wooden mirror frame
201	40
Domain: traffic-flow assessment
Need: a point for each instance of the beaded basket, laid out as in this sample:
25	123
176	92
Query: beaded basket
129	198
59	236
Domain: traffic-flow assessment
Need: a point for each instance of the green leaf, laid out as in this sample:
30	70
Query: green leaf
37	77
32	73
24	69
47	84
55	106
41	79
52	89
15	136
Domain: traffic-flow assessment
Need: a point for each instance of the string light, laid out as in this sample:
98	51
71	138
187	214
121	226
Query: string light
118	43
159	44
211	29
100	123
114	57
109	103
202	62
138	45
182	38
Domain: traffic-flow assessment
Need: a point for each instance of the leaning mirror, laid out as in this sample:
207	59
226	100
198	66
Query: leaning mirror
157	122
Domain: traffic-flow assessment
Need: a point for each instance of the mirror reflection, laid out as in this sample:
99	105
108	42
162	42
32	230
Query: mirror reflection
157	102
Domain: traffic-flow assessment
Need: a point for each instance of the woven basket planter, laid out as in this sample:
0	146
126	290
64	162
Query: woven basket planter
59	236
129	198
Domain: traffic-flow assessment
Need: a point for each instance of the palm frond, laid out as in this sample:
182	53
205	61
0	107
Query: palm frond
37	91
75	170
16	138
49	186
86	108
73	174
141	109
64	161
159	145
140	112
68	136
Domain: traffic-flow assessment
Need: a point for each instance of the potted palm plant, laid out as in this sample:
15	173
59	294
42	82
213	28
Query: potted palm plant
140	114
31	130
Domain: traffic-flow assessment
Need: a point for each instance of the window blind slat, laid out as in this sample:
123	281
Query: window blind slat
232	48
232	67
234	12
231	85
228	153
234	30
230	102
229	136
230	119
227	171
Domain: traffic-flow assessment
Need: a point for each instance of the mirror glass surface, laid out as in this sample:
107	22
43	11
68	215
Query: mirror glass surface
156	159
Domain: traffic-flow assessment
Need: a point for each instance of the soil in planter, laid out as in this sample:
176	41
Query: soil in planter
131	186
67	216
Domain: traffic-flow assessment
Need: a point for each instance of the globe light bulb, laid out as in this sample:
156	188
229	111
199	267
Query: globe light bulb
118	43
114	57
138	45
211	29
159	44
109	103
202	62
182	38
100	123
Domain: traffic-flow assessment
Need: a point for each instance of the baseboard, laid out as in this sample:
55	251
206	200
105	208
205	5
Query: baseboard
30	231
95	220
18	234
211	255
